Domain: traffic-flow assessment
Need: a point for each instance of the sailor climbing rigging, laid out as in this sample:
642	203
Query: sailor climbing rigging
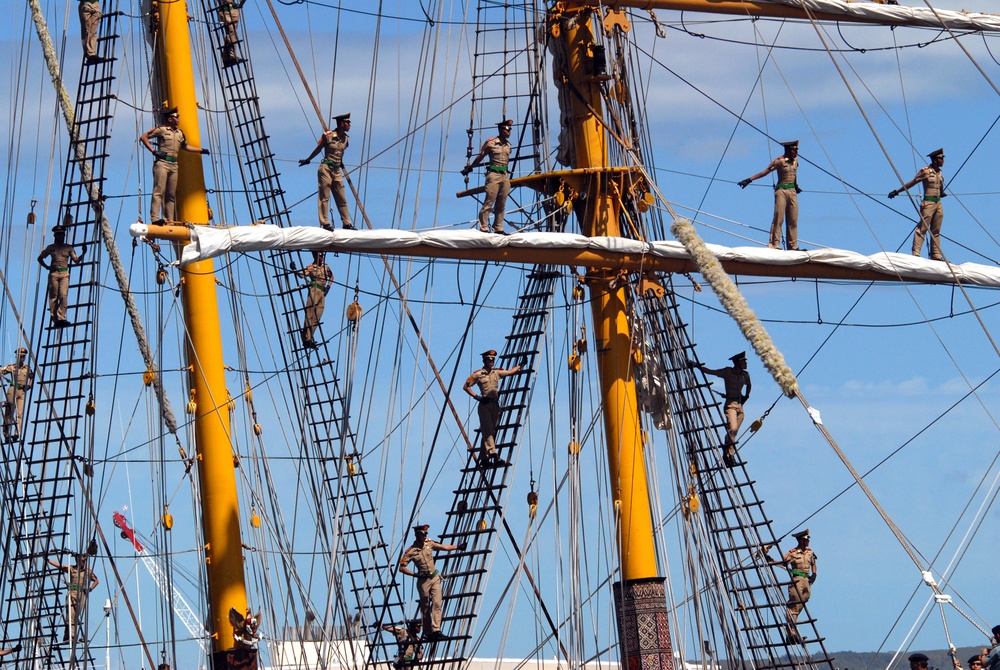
735	377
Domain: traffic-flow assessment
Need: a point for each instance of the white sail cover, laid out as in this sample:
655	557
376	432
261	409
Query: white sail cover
209	242
909	16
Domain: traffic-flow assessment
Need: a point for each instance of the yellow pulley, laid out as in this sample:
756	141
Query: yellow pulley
352	469
254	519
91	406
559	198
248	394
354	311
574	447
482	525
257	430
161	277
532	504
148	377
636	354
192	406
578	293
756	425
574	361
230	403
168	518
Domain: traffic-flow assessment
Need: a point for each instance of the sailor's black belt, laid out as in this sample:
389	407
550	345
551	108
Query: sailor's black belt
423	574
931	198
486	398
18	386
332	164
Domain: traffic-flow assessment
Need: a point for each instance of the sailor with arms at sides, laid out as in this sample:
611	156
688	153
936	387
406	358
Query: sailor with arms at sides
90	23
497	177
931	209
487	379
21	379
333	144
60	255
170	140
421	554
736	378
786	199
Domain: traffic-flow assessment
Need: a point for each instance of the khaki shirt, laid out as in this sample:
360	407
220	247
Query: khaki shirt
498	150
422	557
334	145
786	169
60	255
802	560
933	181
488	381
79	579
320	276
172	140
734	379
21	375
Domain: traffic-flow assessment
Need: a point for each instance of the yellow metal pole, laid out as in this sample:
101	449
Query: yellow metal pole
608	306
215	459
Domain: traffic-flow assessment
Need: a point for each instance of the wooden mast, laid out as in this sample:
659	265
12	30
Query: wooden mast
215	460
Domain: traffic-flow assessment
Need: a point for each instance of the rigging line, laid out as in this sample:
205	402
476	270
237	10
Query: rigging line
746	104
107	234
298	67
962	47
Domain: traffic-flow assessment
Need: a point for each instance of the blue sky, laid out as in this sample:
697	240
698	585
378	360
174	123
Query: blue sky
881	379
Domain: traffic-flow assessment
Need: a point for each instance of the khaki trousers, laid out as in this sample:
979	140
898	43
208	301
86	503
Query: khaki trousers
430	602
497	188
331	181
90	21
786	209
14	411
230	18
314	310
931	217
489	416
164	192
58	293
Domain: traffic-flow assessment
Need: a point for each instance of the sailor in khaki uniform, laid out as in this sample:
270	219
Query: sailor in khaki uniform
90	22
487	378
931	210
229	17
170	140
21	379
408	641
497	177
735	378
801	563
421	554
80	581
60	255
786	199
320	278
330	174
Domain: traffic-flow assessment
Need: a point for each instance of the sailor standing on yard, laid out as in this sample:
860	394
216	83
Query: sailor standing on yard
21	379
497	177
786	199
61	255
330	174
735	378
171	141
931	210
421	553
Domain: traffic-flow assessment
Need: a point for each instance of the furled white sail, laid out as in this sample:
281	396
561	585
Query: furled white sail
209	242
866	10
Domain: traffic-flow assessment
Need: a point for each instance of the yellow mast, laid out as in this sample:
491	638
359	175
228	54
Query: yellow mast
214	449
